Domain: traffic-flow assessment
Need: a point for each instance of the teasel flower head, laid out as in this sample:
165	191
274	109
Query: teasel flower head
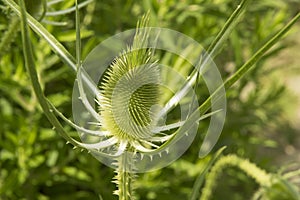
129	90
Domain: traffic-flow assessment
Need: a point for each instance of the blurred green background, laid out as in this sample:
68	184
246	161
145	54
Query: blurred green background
262	121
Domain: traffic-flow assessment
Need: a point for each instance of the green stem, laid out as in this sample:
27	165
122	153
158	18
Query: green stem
78	37
227	28
259	175
258	55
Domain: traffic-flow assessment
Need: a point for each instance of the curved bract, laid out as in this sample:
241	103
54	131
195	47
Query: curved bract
132	110
128	100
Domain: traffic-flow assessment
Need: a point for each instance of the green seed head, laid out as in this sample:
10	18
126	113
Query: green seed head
129	89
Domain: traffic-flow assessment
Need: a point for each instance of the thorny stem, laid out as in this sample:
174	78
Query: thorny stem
125	177
259	175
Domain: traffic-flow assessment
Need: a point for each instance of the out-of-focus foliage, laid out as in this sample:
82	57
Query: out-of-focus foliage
35	162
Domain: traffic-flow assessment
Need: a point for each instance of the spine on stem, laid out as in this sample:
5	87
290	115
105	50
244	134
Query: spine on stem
125	177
